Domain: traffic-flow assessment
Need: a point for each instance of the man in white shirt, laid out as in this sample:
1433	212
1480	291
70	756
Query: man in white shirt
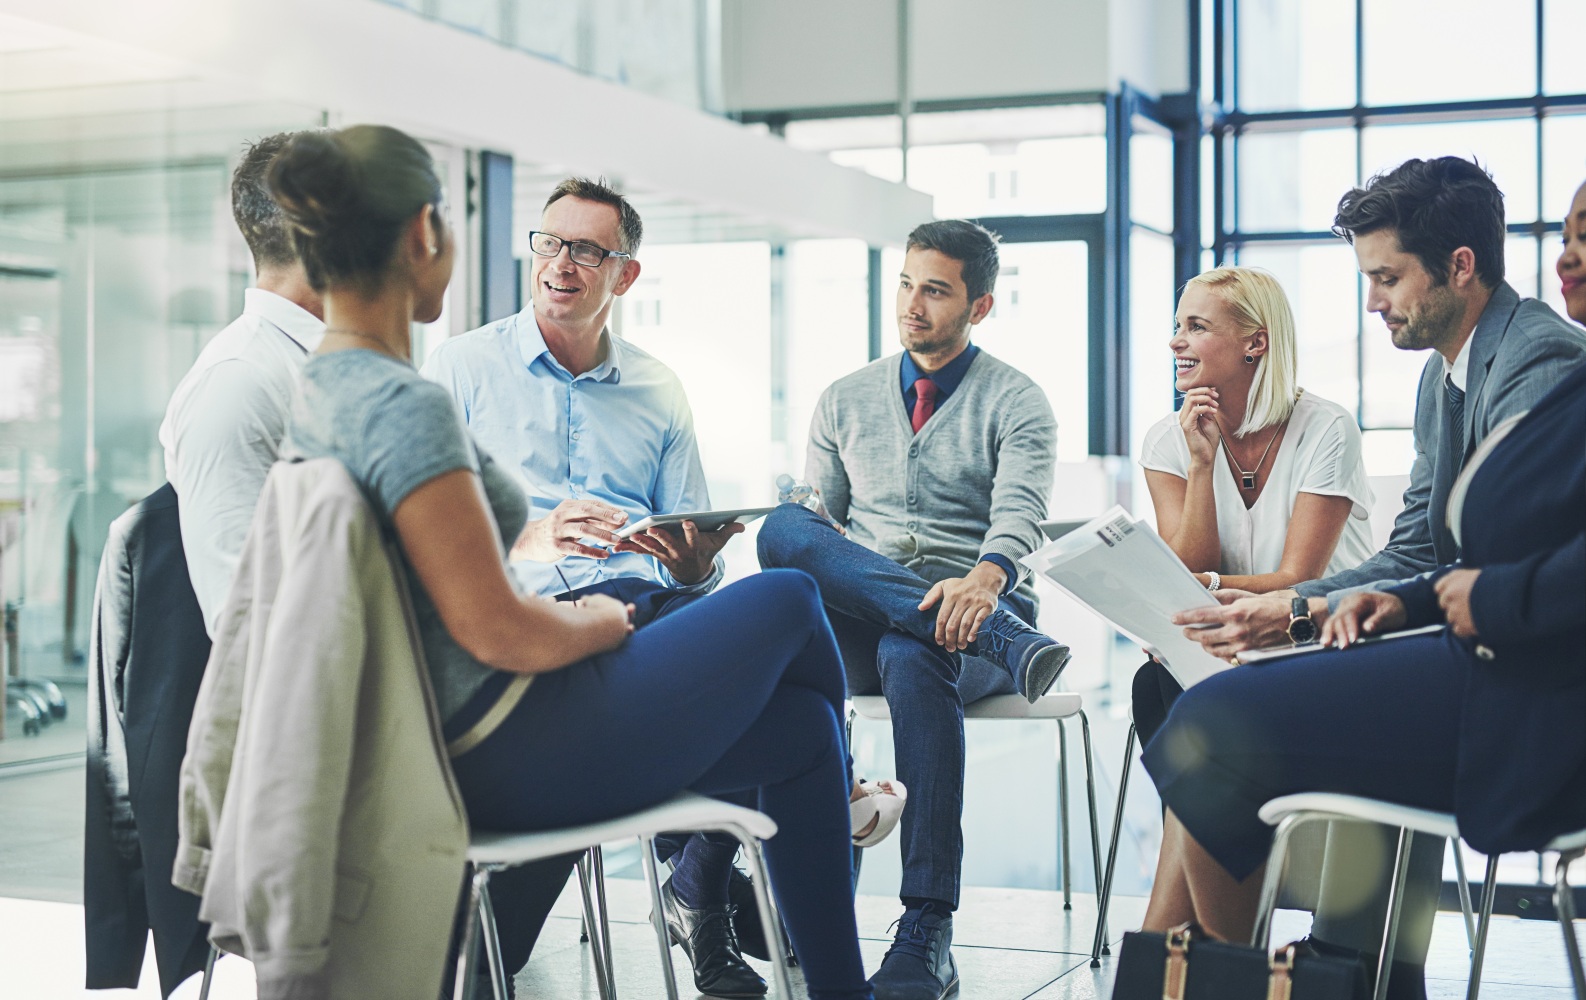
222	430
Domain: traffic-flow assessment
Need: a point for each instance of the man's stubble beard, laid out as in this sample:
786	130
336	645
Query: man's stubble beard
1433	323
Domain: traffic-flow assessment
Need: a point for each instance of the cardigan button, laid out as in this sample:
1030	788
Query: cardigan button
1484	653
914	451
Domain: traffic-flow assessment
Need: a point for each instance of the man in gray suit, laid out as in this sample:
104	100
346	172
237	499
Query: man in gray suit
1429	237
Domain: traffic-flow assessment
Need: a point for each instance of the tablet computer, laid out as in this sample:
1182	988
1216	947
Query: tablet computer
1253	656
705	520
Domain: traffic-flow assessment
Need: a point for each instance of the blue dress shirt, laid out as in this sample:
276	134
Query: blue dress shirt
947	379
621	433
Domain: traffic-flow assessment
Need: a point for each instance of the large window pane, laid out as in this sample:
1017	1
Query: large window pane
1521	267
1424	51
1563	162
827	299
1389	378
1150	362
1296	55
1040	325
1507	149
1563	26
706	313
1032	177
1322	284
1291	181
1151	177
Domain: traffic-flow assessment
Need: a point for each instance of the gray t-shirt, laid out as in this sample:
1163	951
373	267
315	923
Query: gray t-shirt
395	431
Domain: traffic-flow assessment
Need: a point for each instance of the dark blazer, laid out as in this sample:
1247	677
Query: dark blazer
1519	351
1522	756
149	649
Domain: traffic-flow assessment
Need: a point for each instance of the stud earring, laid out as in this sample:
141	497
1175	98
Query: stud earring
433	251
1249	359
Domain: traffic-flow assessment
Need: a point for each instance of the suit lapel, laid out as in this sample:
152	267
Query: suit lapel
1489	333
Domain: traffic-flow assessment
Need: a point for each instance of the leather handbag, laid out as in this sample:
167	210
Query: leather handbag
1185	964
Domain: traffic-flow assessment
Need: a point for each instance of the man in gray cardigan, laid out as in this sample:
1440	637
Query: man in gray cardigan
937	465
1429	237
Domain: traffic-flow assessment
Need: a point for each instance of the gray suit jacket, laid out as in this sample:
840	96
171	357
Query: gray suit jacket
1519	350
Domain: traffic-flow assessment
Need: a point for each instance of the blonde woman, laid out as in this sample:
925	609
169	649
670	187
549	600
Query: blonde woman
1258	485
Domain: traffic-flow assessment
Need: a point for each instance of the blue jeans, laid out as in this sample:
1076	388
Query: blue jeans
889	648
740	691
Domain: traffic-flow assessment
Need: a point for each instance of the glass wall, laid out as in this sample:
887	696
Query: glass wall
1304	123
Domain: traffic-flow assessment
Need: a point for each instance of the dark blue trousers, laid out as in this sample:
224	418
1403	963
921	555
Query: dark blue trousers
889	648
1379	720
740	691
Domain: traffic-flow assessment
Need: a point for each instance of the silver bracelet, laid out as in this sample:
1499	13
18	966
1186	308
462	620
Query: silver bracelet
1216	582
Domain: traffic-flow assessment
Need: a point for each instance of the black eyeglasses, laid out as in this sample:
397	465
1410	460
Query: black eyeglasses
587	254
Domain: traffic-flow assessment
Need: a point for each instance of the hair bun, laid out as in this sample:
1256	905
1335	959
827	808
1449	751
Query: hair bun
315	181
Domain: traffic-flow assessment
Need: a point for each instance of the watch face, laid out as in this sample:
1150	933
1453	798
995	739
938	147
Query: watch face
1302	631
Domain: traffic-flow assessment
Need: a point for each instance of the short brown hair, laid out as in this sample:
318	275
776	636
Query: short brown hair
264	228
971	244
632	229
1435	207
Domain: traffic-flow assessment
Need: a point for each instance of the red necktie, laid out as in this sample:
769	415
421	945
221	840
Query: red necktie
924	402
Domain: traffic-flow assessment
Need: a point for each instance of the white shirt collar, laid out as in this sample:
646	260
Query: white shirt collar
285	315
1457	371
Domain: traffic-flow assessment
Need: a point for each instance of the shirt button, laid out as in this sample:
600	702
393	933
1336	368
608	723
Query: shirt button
913	525
575	435
911	498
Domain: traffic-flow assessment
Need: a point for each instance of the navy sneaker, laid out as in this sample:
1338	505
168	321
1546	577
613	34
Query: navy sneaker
919	965
1034	659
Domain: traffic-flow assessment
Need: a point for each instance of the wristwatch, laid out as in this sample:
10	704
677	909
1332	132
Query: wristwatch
1301	629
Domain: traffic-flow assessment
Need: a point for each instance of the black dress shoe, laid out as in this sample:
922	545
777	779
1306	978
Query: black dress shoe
711	944
746	918
919	965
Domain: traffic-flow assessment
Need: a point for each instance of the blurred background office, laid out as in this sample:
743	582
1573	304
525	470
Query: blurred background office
779	153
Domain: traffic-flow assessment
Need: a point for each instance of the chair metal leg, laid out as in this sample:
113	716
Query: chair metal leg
487	927
598	929
1464	894
1095	826
1564	903
658	915
1105	898
1390	927
603	914
1489	891
462	987
1065	863
1273	878
209	973
769	919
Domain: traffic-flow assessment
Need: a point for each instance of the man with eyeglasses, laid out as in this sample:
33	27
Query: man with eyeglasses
601	435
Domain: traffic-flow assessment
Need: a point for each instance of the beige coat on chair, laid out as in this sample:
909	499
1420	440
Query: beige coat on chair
318	815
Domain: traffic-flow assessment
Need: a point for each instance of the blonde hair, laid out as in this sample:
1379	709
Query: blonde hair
1257	303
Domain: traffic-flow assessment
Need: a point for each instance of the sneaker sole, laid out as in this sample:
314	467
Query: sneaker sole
1047	663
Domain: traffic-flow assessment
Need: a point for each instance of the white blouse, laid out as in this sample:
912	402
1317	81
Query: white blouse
1321	454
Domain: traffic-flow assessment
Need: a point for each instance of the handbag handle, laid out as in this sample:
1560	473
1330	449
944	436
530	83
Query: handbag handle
1281	980
1175	977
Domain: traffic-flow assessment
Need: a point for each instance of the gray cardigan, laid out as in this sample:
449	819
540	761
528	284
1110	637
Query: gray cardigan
975	481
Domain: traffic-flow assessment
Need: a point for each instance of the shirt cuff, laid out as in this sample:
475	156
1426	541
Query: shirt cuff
705	586
1004	564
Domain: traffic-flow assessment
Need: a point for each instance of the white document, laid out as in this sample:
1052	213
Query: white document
1123	571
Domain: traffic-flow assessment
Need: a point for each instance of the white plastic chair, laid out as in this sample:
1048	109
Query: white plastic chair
1291	811
1057	707
687	812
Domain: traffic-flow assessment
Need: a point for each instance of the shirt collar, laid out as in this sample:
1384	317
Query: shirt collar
531	346
297	323
946	379
1458	371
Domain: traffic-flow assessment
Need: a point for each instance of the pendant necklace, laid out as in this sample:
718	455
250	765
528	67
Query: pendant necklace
1247	480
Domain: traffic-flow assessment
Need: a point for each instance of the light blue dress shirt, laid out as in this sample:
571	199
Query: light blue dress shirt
621	433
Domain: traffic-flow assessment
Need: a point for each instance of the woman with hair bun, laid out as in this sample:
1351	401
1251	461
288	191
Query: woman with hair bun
741	690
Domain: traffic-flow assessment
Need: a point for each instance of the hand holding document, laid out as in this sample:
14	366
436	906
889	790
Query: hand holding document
1123	571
